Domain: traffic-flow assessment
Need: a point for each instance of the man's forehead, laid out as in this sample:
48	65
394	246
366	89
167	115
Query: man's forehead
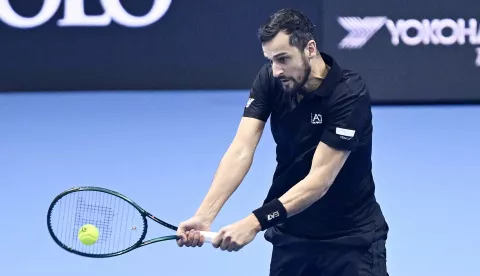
279	44
271	54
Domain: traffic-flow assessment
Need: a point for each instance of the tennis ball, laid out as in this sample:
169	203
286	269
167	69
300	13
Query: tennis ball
88	234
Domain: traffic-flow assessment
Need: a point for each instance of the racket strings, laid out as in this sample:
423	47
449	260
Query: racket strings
100	216
120	225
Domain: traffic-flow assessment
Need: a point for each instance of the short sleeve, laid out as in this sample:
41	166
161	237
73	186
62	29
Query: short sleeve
348	117
260	100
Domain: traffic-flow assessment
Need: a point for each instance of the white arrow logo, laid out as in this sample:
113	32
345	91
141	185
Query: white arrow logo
360	30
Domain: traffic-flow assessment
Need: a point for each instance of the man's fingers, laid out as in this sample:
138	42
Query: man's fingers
201	240
190	237
225	243
232	246
218	239
181	240
181	234
196	238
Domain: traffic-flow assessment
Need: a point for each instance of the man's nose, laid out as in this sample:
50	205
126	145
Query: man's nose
276	70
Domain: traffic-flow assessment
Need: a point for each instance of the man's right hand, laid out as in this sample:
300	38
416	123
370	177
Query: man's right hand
189	231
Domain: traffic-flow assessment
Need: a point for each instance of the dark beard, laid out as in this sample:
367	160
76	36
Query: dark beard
298	86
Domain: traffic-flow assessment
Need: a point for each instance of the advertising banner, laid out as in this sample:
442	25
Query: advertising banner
144	44
408	51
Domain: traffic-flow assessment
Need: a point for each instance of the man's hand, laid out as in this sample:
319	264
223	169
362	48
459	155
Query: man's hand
189	231
235	236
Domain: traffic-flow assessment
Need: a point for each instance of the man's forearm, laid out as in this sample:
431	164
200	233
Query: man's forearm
327	163
312	188
230	173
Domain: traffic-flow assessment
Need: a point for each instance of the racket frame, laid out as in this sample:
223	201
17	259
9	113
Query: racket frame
141	242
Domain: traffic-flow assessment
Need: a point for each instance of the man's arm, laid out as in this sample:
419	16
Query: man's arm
239	157
233	167
327	163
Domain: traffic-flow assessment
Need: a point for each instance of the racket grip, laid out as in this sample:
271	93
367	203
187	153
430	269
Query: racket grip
208	236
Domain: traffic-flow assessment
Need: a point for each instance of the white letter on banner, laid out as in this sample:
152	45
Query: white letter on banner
477	61
394	32
115	9
470	31
74	15
10	17
447	24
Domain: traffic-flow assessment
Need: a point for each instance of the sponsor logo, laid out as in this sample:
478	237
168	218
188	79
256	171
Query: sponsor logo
75	16
316	119
273	215
345	132
360	30
249	102
411	32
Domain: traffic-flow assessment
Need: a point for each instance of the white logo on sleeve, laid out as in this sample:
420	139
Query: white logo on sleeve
249	102
344	133
316	119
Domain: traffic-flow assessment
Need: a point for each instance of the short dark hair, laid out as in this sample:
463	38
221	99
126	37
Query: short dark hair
293	23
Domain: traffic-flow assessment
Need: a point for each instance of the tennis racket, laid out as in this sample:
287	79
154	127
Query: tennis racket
121	223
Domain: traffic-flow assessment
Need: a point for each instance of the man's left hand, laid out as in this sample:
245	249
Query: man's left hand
235	236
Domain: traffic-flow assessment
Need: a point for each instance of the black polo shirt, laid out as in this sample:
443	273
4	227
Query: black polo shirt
338	114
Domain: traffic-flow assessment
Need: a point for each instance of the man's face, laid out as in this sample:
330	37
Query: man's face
289	65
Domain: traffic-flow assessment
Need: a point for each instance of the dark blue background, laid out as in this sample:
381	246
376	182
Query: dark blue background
212	45
208	44
402	73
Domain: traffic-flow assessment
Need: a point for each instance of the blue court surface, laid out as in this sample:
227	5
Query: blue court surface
161	149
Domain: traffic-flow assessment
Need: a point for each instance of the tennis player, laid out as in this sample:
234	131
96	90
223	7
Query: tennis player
321	214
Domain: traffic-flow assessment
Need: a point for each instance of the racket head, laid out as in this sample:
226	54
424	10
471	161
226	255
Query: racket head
121	223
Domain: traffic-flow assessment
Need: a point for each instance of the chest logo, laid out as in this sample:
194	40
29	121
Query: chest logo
316	119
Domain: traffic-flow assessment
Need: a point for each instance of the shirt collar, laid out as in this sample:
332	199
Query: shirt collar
333	77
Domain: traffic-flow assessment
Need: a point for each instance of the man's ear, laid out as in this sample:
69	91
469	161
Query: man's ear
311	49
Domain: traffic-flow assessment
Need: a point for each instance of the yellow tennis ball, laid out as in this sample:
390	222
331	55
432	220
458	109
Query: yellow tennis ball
88	234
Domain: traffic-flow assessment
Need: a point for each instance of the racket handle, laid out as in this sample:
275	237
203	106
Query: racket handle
208	236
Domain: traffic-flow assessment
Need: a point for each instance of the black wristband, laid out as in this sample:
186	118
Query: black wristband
271	214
